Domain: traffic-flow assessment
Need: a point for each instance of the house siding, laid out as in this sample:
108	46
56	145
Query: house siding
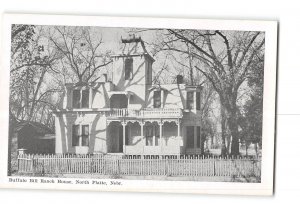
97	136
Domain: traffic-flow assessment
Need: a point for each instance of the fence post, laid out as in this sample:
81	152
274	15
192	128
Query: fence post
167	167
33	165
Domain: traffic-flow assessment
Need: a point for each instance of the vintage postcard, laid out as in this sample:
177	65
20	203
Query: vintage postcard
138	104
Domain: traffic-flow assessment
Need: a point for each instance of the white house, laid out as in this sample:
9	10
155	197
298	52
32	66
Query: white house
128	114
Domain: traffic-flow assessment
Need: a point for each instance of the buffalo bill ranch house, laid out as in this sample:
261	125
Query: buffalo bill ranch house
124	113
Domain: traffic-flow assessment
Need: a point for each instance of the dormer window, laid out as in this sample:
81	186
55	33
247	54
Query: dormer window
128	68
81	98
157	99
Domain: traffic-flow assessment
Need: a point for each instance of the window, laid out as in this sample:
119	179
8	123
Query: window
152	135
198	137
149	72
76	98
190	136
80	139
128	68
81	98
197	100
156	99
190	100
75	135
85	98
85	135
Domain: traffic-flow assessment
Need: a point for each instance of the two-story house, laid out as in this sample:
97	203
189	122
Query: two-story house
128	114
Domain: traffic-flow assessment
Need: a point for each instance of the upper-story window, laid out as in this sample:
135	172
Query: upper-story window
128	68
157	99
81	98
148	72
197	100
190	100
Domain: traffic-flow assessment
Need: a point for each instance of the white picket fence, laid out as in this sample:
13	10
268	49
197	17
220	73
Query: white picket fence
111	165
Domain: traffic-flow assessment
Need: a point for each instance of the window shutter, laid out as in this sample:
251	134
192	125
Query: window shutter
85	98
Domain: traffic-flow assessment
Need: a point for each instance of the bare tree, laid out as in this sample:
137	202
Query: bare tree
80	51
226	59
30	65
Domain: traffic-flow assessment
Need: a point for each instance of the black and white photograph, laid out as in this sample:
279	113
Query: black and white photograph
92	103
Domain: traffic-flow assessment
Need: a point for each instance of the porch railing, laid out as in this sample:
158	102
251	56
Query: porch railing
149	113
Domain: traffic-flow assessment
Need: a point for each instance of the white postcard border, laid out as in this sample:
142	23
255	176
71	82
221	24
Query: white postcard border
263	188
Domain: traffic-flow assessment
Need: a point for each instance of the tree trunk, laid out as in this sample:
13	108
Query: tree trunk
228	102
233	127
223	129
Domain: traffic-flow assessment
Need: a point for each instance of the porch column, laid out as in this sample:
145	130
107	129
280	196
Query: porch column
160	133
142	131
124	132
178	128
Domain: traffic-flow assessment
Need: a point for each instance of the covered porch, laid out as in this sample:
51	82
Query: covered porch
145	137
